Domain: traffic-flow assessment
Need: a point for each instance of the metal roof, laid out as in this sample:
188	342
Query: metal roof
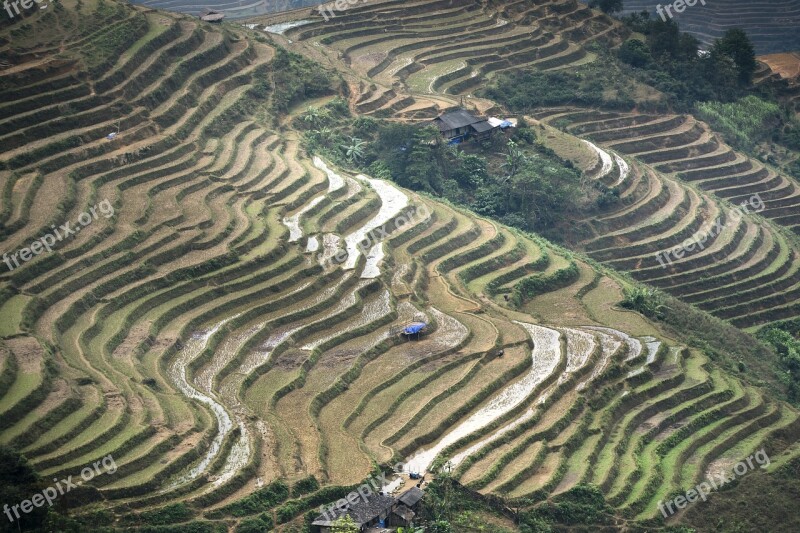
404	512
412	496
456	119
482	126
361	512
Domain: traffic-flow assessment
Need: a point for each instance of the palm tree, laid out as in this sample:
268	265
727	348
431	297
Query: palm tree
314	115
514	158
355	150
323	136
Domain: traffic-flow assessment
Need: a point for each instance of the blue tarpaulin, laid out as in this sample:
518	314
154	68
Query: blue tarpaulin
414	327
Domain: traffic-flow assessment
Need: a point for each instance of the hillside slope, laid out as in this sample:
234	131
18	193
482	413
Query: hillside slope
224	319
770	24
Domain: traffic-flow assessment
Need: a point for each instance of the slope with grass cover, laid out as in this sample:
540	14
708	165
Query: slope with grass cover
230	329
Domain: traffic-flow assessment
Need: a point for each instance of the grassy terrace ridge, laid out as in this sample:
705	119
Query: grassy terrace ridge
206	334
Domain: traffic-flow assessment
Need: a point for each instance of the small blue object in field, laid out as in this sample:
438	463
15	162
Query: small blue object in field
414	327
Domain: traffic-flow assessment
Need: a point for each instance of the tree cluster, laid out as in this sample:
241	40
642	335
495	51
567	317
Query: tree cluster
673	63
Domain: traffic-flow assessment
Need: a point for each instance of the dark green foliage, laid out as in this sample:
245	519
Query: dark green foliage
110	44
583	504
256	525
532	523
649	302
635	53
736	45
304	486
262	499
784	338
589	85
518	182
607	6
297	78
169	514
670	62
191	527
743	123
287	511
18	482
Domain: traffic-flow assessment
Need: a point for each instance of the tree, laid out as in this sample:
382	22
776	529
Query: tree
469	170
315	116
354	152
736	45
424	168
18	481
607	6
344	524
635	53
514	158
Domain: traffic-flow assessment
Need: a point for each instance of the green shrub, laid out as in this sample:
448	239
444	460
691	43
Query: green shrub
649	302
743	123
256	525
169	514
304	486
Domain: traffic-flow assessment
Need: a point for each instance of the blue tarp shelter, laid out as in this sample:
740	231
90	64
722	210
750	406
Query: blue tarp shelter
414	328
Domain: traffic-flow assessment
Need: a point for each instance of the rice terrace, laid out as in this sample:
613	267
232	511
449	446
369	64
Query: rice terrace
402	266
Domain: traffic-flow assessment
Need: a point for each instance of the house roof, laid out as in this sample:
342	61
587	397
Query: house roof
411	496
456	119
361	512
482	126
404	512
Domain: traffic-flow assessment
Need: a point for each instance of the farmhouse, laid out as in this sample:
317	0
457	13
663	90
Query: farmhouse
372	512
460	125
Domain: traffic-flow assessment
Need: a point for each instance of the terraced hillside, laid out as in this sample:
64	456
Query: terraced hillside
681	181
231	9
410	55
770	24
406	61
225	322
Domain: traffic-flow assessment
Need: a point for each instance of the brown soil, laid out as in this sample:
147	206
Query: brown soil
28	352
137	334
787	65
291	359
